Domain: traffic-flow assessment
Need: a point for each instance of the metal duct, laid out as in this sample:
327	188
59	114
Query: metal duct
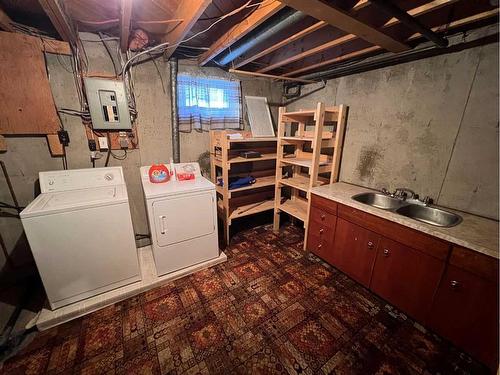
176	148
285	19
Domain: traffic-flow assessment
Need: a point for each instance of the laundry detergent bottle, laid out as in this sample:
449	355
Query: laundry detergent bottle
158	173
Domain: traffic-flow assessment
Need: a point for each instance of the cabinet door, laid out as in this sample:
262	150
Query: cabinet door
465	310
354	250
406	277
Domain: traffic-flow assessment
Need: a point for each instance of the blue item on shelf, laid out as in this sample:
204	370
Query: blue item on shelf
241	182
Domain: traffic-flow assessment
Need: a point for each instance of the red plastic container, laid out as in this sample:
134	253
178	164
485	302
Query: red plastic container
158	173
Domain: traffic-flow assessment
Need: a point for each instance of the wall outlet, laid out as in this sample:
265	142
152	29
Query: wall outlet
103	143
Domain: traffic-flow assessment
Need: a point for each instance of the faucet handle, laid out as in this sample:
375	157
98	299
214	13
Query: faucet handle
427	200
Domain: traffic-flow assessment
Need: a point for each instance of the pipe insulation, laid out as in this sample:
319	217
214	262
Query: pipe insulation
283	20
176	147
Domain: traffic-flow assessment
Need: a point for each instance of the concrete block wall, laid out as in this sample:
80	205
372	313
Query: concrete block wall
26	156
430	125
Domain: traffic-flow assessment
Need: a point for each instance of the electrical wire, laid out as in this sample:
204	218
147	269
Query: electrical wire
108	50
167	45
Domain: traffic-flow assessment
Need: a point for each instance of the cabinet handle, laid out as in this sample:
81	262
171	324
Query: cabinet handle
321	230
454	284
370	244
386	252
323	216
319	246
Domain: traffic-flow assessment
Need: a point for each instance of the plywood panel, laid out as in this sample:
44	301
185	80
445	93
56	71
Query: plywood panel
27	103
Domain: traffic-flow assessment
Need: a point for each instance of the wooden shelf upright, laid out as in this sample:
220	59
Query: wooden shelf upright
226	163
306	158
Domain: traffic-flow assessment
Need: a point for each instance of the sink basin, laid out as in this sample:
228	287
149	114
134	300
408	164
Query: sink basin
379	200
430	215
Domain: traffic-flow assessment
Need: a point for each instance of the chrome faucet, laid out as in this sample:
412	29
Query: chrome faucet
404	193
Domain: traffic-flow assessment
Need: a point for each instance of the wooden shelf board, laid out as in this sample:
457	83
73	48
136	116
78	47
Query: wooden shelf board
304	114
326	141
302	162
296	208
263	139
240	159
252	208
300	182
261	182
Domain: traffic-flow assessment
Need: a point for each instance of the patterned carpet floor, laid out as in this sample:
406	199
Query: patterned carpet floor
270	309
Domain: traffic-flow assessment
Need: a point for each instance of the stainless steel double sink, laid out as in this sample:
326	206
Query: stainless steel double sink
417	211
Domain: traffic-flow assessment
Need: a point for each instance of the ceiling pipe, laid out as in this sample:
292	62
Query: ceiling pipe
284	19
412	23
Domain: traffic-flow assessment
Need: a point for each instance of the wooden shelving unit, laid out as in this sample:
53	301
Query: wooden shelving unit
306	158
226	162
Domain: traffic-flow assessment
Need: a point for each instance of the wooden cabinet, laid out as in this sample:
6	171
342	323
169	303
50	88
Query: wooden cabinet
454	291
321	230
354	250
406	277
465	309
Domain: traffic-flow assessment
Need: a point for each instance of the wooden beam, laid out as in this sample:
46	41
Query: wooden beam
360	4
448	26
59	20
333	60
343	39
342	20
5	22
423	9
319	25
428	7
125	18
55	46
282	78
263	12
189	11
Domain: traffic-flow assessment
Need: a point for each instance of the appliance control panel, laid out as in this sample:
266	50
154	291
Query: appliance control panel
74	179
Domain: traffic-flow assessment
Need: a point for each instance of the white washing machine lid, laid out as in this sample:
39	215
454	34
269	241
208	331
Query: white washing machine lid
63	201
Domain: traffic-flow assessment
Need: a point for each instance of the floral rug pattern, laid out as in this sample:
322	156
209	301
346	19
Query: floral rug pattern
270	309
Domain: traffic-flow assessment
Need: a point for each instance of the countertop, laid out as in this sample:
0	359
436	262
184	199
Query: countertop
474	232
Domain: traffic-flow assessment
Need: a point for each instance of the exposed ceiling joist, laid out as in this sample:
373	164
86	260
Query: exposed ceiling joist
292	38
125	18
410	22
189	11
284	42
5	22
418	11
449	26
342	20
360	4
263	12
59	20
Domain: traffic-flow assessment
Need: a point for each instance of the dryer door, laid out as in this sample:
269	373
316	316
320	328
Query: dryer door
183	217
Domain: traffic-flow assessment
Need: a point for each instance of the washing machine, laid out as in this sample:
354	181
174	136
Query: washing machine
80	233
182	219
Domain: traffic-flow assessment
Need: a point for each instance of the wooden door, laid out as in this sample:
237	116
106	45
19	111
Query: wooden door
354	250
465	310
406	277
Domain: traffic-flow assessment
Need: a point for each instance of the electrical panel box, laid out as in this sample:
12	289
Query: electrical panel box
108	104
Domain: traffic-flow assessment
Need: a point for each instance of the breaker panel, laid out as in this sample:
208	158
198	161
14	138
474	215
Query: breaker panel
108	104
